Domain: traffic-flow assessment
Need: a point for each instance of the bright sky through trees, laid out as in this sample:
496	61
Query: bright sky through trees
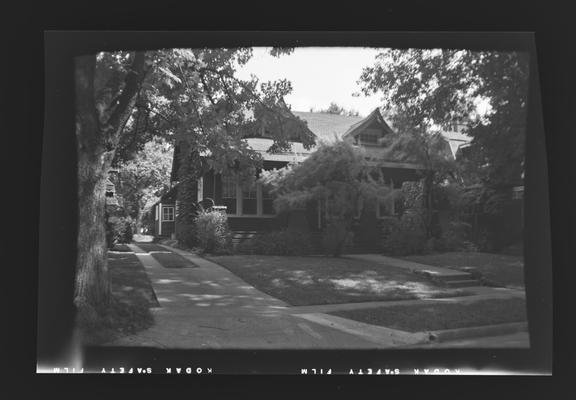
319	76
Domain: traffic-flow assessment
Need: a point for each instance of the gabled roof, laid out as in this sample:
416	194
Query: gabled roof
325	125
374	116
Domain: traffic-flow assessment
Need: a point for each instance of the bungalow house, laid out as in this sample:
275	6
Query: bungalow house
250	209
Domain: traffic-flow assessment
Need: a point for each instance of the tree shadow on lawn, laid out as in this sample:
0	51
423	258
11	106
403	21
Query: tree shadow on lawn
129	282
129	309
303	281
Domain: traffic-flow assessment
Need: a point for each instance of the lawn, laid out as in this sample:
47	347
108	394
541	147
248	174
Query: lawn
497	269
121	247
440	316
132	297
129	282
303	281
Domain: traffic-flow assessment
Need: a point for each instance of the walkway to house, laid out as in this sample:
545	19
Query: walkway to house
203	305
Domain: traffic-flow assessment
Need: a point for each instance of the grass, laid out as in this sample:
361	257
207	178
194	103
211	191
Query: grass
303	281
129	309
497	269
440	316
129	282
121	247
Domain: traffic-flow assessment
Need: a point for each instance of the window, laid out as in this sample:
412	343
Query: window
267	202
167	213
229	193
228	187
368	138
249	199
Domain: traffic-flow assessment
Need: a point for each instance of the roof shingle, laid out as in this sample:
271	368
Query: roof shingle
325	125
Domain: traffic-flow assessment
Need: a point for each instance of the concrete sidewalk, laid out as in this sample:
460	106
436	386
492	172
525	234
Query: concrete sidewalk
209	307
206	306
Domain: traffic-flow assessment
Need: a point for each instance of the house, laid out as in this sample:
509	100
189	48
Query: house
250	208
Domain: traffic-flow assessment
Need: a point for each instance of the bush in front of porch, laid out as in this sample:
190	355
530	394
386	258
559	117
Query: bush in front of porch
287	242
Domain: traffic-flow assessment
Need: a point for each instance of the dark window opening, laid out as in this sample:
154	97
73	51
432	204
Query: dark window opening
368	138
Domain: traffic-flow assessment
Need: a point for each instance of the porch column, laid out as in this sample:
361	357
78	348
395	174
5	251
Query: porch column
200	189
238	197
159	218
392	205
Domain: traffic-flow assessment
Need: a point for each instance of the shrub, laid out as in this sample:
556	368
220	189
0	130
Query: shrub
435	244
336	238
404	236
118	229
212	232
186	235
485	241
281	243
455	236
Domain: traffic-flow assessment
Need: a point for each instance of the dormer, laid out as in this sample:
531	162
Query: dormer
369	131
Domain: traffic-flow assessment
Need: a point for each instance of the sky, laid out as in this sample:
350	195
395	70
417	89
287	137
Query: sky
318	75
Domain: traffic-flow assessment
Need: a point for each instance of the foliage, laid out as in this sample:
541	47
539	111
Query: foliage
334	108
411	194
123	99
143	178
404	236
428	89
281	243
211	111
117	320
483	93
212	232
336	237
118	227
186	235
335	175
457	237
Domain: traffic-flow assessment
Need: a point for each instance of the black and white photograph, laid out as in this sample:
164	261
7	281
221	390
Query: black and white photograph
298	198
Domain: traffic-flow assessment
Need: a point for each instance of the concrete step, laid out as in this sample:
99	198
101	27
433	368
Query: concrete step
463	283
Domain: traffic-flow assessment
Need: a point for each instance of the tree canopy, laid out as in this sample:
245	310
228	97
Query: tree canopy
187	96
335	172
194	97
337	176
334	108
145	177
426	90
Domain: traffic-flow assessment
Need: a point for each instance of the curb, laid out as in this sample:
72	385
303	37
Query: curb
477	331
380	335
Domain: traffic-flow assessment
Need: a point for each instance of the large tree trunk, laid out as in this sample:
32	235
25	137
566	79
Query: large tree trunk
96	144
92	285
188	173
91	264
